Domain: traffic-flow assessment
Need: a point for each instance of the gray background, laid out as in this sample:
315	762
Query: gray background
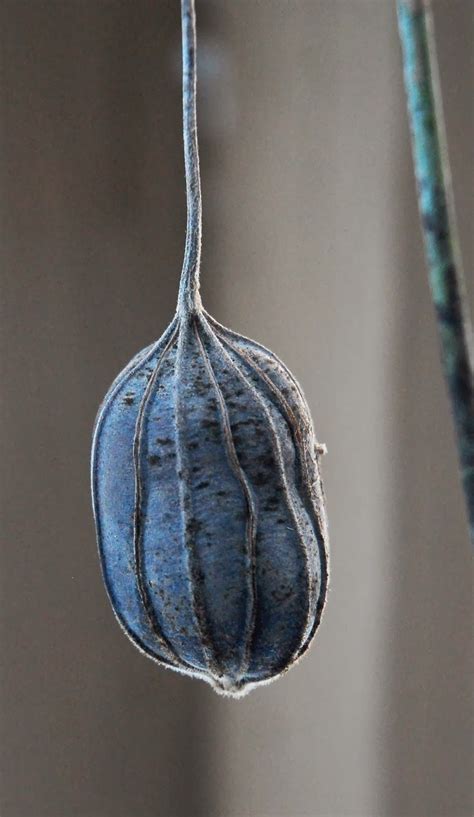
312	246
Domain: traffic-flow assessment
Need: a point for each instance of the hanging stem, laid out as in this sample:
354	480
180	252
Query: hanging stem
189	299
436	207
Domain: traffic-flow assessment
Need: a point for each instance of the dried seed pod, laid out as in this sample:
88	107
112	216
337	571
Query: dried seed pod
207	495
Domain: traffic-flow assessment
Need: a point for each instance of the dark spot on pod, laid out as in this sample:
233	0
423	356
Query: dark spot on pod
193	526
282	594
209	424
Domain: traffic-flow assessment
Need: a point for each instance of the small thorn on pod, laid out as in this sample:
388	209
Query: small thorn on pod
321	449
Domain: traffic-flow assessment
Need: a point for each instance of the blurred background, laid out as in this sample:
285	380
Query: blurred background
311	246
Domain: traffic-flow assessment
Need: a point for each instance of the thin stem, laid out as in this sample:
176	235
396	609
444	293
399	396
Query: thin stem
189	300
436	207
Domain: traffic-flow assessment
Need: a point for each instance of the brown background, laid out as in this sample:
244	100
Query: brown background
312	246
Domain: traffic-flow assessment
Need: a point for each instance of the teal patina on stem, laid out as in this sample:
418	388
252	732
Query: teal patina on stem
436	207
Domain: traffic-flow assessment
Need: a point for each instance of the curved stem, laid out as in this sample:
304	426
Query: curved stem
189	299
436	207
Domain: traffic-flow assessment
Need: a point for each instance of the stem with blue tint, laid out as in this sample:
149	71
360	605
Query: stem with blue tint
436	207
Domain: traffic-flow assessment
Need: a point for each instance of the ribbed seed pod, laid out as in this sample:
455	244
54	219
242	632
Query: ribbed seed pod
207	496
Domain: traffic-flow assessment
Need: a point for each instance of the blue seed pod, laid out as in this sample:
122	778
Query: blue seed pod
207	495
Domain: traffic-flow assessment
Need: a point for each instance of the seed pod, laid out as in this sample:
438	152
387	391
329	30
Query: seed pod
207	496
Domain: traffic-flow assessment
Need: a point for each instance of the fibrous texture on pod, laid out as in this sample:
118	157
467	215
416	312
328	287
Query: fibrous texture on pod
207	495
209	506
